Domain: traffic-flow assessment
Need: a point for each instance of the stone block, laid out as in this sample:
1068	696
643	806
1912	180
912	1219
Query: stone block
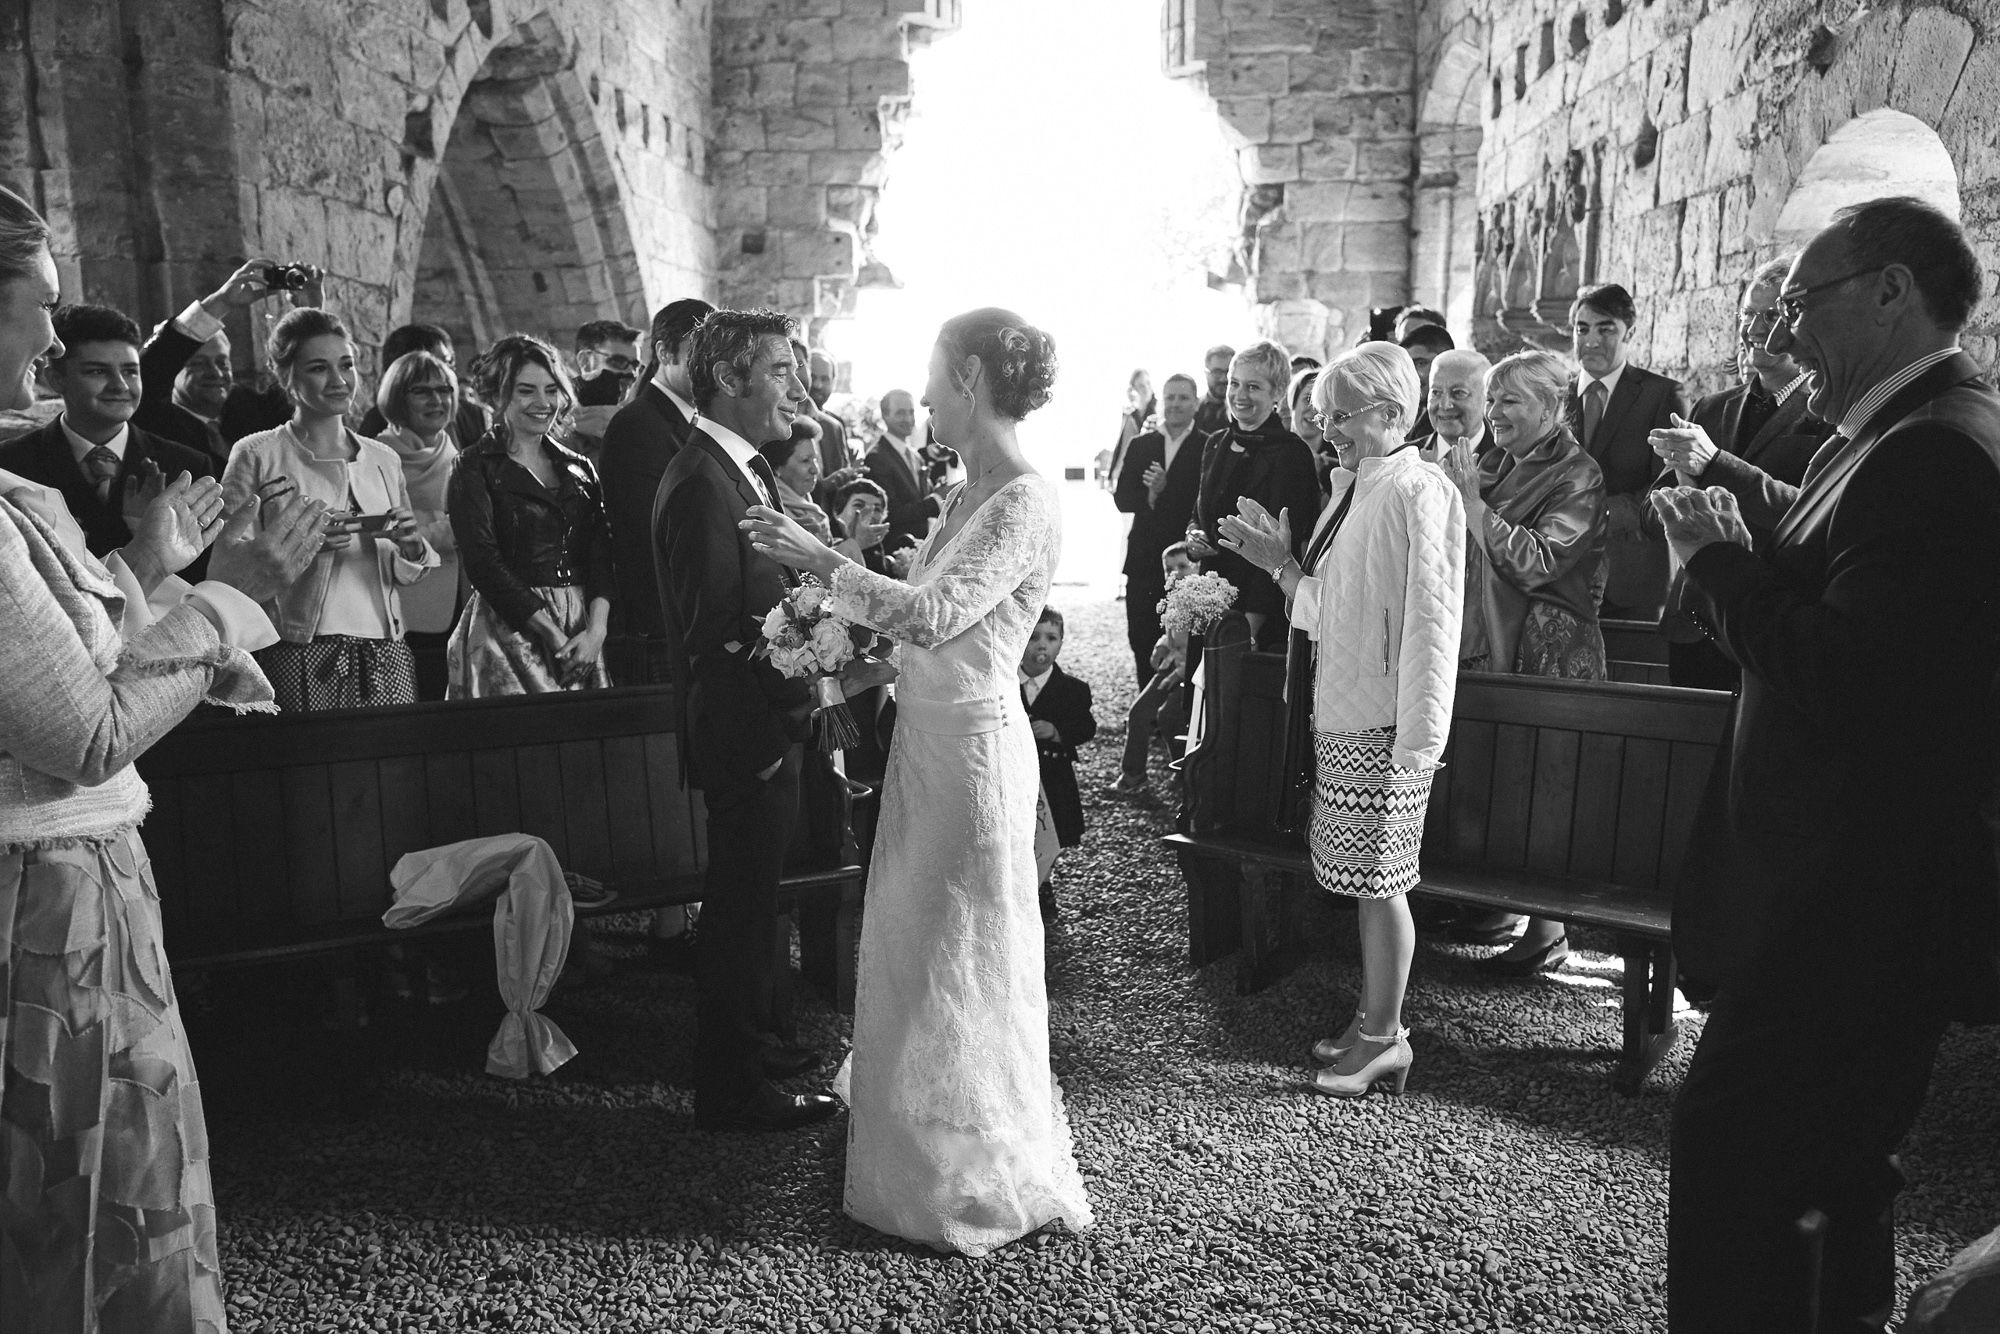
1321	73
1656	252
1317	201
733	85
858	128
779	169
861	39
801	130
1320	247
768	11
1263	35
1280	248
1683	157
1711	327
1932	48
821	83
1699	240
1733	127
1343	290
845	167
1245	120
1667	344
1301	325
1722	54
1327	160
800	207
740	131
741	206
871	79
1377	247
809	254
1970	122
807	39
1380	71
1379	201
1248	76
1390	160
1279	286
774	84
1666	82
1268	164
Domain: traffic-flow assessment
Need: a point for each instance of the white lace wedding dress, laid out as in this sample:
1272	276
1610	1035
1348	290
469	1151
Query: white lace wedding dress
957	1137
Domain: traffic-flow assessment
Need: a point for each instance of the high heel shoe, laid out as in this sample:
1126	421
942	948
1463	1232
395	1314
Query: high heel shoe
1390	1069
1326	1053
1552	955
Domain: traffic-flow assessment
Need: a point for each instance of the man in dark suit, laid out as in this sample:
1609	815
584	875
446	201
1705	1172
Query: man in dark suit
1157	488
641	439
105	467
1750	440
1212	414
190	394
898	466
1862	795
1611	410
742	722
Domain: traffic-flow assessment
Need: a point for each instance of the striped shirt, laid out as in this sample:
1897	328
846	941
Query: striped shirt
1871	402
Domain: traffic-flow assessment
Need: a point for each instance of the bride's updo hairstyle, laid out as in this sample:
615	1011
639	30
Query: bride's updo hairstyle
1019	359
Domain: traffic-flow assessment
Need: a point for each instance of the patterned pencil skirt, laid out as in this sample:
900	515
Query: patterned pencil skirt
107	1220
1368	815
340	672
487	657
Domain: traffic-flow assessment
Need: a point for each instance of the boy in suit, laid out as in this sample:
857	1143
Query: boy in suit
1059	710
1160	703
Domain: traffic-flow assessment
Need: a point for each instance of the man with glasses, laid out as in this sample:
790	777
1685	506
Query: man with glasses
1611	410
607	365
1861	788
1754	441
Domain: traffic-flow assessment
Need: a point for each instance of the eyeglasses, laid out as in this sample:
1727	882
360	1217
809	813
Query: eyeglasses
1340	419
620	365
1792	305
1757	323
433	392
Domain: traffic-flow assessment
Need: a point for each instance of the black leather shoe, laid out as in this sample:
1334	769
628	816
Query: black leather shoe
768	1109
1484	929
1552	955
782	1060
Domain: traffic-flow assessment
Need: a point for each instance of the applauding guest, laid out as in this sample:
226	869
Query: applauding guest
1255	459
1379	591
342	623
1157	485
529	516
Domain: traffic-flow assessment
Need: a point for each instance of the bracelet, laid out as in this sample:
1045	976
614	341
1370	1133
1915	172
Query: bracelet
1278	571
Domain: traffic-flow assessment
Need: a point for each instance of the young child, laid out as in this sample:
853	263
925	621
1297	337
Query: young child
1059	710
1162	703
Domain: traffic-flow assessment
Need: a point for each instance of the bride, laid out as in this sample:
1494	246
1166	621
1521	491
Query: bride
958	1137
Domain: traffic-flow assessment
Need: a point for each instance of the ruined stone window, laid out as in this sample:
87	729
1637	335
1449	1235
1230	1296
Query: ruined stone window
1579	33
1520	71
1884	152
1546	61
754	242
1613	12
1499	94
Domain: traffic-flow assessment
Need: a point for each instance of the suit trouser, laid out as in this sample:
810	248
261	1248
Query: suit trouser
1700	664
1158	705
1799	1092
749	829
1142	625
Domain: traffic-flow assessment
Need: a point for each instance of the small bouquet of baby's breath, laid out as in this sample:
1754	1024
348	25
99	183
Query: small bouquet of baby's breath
803	638
1196	603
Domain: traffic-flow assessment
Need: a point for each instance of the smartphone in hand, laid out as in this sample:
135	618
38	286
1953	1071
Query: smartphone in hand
373	523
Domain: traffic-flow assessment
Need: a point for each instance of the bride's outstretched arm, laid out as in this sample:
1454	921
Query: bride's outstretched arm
1006	540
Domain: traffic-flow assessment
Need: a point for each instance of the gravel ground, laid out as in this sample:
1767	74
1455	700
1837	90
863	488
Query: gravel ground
1509	1189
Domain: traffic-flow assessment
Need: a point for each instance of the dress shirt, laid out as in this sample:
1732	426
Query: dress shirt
1871	402
910	457
688	410
1174	443
1792	388
1031	686
740	452
1609	380
78	446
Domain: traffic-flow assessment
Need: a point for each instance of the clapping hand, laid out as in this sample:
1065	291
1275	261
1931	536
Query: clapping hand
1155	478
176	526
1684	446
1253	534
263	559
1198	544
1695	518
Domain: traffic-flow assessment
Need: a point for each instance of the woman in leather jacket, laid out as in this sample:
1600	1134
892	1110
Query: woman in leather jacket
532	537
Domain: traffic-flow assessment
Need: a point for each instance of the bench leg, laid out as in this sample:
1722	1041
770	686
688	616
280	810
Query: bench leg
1215	922
1270	931
847	944
1648	1006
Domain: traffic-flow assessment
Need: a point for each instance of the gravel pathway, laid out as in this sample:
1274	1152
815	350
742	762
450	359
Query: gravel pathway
1509	1189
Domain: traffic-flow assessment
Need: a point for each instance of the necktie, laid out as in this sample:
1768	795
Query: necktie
762	467
1593	411
100	466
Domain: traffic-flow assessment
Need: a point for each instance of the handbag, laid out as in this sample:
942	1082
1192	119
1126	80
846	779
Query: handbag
1299	769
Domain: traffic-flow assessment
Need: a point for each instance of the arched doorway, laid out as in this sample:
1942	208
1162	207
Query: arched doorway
1883	152
1444	241
526	228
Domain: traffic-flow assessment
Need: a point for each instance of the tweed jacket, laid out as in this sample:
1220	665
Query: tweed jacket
1383	606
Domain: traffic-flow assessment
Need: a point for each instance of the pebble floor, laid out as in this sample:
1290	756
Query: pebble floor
1509	1189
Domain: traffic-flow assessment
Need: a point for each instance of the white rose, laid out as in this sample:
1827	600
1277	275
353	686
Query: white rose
808	599
775	621
832	644
792	661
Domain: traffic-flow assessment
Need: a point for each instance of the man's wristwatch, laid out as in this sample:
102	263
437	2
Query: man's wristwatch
1278	571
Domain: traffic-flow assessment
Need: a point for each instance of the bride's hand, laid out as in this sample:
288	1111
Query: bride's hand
779	536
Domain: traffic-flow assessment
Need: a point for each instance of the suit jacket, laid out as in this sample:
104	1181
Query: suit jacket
1643	402
1861	852
1064	701
1155	527
639	442
245	412
1276	469
43	455
1210	415
911	507
739	715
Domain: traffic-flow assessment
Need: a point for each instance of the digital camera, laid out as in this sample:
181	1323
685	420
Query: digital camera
287	277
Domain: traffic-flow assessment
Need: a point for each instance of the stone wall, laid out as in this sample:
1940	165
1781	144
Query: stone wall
810	99
1538	146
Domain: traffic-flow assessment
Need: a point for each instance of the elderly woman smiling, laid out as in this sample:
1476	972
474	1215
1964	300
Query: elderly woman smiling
1380	592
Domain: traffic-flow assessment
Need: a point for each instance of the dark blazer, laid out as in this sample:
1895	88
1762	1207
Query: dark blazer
514	535
245	412
1864	759
1273	467
639	442
911	507
1064	701
1643	402
1156	527
1210	415
739	715
43	455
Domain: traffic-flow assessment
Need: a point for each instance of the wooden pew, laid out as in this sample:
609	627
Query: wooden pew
273	837
1635	651
1562	799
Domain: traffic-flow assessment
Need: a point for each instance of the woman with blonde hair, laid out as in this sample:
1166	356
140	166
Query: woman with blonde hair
1380	592
1536	507
418	403
529	517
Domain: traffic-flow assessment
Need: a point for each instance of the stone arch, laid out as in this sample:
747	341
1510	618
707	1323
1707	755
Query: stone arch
1444	242
521	224
1880	152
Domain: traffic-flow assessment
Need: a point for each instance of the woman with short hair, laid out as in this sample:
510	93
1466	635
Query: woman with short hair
1305	423
529	517
1254	458
342	624
1380	592
418	401
1536	506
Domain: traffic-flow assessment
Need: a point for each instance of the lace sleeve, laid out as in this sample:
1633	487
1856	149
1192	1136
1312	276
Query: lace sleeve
1000	546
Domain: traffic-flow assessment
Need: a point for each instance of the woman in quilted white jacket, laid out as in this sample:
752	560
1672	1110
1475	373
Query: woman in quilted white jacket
1380	592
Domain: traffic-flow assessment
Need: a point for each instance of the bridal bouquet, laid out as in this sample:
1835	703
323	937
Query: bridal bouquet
1196	603
803	638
